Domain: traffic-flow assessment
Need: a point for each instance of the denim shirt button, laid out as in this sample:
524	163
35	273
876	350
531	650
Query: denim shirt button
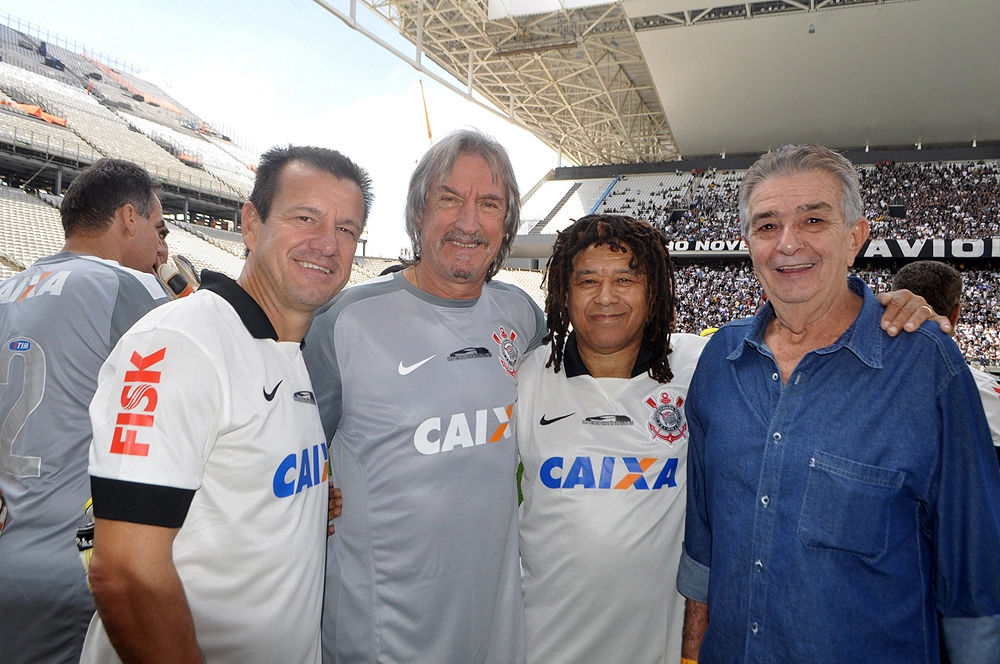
758	565
754	627
765	500
774	376
776	436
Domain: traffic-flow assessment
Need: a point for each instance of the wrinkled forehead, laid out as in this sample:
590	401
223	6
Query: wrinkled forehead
495	176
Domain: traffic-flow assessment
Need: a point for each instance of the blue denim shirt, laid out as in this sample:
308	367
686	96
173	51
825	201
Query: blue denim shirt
835	518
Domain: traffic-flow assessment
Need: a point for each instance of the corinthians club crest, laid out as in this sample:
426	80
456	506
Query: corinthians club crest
667	421
508	351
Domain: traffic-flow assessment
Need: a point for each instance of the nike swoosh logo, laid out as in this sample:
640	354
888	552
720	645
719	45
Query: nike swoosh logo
270	396
405	370
545	422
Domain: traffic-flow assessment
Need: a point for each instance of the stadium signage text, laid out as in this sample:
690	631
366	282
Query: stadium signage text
881	248
936	248
707	245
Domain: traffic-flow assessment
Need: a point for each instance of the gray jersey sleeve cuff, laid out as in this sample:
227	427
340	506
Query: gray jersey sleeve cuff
969	640
692	579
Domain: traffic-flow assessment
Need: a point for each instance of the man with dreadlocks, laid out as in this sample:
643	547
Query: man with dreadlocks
603	438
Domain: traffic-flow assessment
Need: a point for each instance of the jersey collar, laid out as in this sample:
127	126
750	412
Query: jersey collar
573	365
253	317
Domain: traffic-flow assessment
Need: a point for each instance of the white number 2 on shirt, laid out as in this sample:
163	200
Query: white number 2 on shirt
31	395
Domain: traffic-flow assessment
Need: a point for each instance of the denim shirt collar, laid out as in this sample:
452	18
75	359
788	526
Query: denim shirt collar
863	337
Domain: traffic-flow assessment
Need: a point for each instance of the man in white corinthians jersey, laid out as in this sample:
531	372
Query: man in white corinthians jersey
603	437
59	320
415	374
208	464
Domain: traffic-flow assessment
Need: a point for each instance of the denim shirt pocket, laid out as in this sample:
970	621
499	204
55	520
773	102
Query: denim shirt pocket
847	504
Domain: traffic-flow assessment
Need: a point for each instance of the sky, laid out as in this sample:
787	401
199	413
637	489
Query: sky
287	71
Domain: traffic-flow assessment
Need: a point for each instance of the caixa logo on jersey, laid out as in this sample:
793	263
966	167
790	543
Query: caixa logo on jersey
631	472
301	471
138	400
433	436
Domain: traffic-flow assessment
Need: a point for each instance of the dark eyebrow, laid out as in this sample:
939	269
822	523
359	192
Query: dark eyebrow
305	208
767	214
450	190
809	207
484	197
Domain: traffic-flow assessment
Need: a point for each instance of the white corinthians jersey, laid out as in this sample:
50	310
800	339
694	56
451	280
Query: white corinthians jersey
989	392
59	320
605	464
418	393
204	421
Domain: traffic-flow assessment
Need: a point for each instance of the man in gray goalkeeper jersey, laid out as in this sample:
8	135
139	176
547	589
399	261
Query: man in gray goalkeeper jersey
59	319
415	376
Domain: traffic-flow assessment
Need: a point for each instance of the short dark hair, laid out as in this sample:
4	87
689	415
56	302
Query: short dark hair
436	165
649	256
265	186
938	283
96	194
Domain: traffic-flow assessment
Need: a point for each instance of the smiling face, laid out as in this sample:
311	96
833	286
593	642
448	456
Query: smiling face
799	242
301	255
607	302
462	229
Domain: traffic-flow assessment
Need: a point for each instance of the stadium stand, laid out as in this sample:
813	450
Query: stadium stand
205	153
30	228
102	128
942	199
581	201
202	253
540	207
225	240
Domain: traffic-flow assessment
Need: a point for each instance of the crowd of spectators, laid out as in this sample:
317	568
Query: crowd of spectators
942	200
710	296
949	200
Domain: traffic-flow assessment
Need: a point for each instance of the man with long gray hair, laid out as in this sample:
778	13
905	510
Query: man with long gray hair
843	495
415	375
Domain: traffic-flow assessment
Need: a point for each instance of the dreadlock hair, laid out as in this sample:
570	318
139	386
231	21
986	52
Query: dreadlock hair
649	256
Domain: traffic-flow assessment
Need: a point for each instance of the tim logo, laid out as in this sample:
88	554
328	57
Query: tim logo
20	345
667	421
508	351
629	471
139	402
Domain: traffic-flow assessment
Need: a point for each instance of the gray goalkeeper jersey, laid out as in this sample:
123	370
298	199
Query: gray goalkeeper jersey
59	320
418	394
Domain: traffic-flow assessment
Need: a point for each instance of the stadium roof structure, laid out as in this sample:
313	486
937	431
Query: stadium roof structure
655	80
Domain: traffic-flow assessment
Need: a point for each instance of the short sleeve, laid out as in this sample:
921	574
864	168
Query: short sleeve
155	416
320	355
540	326
989	392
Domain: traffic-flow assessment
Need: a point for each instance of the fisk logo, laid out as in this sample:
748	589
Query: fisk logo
138	391
313	470
581	473
491	425
15	290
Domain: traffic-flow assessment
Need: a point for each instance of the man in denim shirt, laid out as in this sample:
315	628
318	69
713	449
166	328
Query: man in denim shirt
843	495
